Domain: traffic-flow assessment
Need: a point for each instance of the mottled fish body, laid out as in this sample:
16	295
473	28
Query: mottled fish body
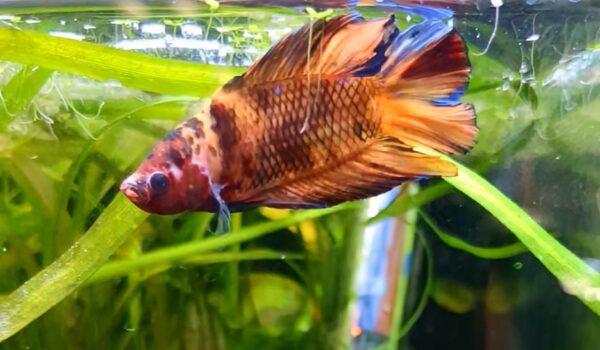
332	113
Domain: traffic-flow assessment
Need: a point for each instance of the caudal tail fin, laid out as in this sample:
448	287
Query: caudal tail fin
425	74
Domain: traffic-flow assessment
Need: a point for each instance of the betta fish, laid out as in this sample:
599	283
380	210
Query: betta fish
336	111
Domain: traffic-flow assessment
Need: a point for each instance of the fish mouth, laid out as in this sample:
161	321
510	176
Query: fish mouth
135	193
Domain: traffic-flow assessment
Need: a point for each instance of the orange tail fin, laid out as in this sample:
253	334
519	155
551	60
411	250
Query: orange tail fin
425	74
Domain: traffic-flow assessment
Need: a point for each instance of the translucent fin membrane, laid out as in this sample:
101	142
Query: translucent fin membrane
223	213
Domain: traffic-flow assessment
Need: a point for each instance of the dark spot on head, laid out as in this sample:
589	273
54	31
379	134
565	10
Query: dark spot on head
196	126
150	156
175	157
212	150
187	150
173	135
159	184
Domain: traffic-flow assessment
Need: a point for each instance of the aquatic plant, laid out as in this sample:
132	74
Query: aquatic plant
63	219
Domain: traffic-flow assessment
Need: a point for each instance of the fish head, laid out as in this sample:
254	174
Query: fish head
172	179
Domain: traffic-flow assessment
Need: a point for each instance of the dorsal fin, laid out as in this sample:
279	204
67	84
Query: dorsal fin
341	45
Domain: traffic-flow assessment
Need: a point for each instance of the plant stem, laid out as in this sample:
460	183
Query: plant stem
204	259
134	70
339	280
68	272
180	253
410	229
232	287
410	322
503	252
404	203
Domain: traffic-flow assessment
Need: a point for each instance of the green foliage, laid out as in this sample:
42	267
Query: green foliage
131	69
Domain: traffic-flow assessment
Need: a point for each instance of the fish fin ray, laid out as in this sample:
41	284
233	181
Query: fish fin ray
379	167
424	77
341	45
448	129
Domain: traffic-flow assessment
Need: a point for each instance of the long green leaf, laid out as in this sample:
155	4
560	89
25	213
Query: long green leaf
134	70
575	275
180	253
112	270
23	87
68	272
503	252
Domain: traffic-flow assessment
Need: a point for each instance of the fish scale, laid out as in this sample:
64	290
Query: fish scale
334	108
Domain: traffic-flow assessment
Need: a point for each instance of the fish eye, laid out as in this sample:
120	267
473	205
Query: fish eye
159	183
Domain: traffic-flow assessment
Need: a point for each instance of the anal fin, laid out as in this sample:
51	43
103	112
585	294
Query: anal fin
379	167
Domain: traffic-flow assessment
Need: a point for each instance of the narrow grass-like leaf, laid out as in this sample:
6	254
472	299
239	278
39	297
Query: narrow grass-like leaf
180	253
193	10
134	70
106	272
67	273
23	87
404	203
575	275
408	246
503	252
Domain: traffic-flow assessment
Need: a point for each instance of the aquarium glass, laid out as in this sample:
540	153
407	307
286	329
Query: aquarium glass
504	256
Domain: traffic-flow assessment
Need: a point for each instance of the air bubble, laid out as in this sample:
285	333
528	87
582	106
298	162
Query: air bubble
524	68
